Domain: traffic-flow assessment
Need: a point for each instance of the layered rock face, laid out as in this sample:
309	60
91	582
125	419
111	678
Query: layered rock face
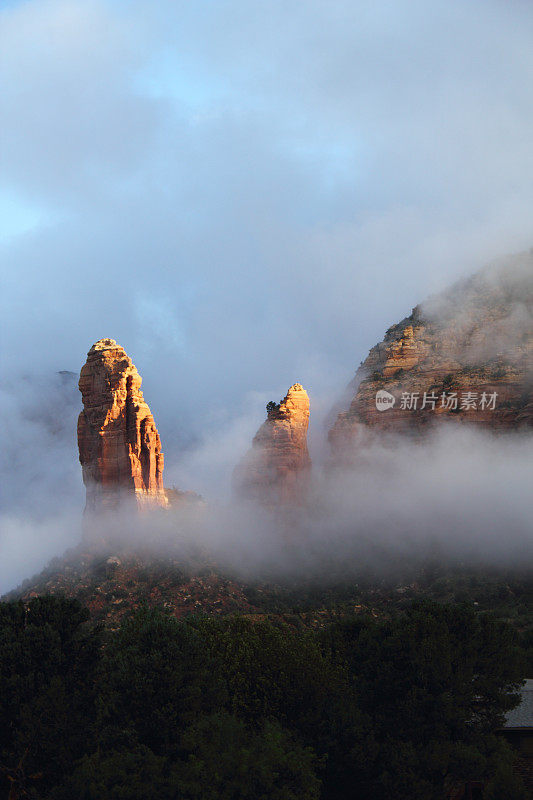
119	446
276	470
464	356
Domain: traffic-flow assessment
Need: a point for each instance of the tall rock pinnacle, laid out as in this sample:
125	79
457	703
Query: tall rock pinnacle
275	472
119	446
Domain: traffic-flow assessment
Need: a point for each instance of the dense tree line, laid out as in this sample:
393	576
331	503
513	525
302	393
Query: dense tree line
233	708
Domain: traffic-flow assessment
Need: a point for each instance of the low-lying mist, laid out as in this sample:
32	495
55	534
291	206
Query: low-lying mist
458	495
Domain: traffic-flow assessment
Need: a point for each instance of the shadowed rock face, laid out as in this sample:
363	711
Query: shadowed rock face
276	470
449	359
119	446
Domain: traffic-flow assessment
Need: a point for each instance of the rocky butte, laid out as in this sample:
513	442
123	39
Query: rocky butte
463	357
119	446
276	470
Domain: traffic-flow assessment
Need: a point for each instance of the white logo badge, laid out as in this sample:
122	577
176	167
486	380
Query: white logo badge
384	400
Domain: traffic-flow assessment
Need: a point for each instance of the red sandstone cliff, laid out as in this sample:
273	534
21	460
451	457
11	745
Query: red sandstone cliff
463	356
276	470
119	446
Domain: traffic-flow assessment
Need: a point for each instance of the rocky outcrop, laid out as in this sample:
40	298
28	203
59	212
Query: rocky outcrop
464	356
119	446
276	470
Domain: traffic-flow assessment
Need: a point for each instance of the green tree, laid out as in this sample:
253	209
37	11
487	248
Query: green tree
156	679
273	672
435	684
133	773
48	659
228	759
206	697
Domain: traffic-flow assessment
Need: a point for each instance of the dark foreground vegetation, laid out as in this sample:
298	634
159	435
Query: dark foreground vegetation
239	709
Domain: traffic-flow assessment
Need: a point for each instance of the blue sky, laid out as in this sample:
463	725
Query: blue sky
249	194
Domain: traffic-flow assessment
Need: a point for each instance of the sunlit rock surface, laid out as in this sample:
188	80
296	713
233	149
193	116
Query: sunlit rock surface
464	356
119	446
275	472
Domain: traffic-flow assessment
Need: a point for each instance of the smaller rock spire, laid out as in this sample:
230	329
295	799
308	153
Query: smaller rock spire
276	470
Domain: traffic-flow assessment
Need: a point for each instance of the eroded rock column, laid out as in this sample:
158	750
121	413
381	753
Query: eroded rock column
119	446
276	470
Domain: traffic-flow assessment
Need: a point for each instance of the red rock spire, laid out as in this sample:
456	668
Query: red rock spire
119	446
276	470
